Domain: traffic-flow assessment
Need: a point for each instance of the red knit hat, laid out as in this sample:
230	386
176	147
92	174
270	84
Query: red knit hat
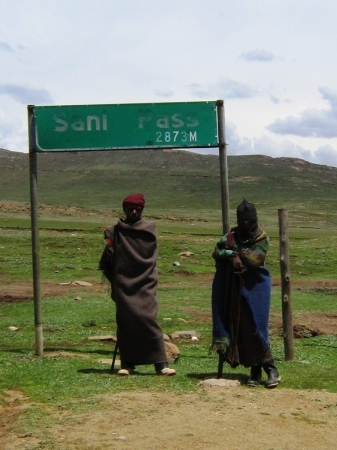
134	199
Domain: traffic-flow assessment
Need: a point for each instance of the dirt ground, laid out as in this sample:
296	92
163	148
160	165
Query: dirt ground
233	417
212	418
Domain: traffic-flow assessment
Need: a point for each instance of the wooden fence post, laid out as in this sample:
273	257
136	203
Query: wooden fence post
287	319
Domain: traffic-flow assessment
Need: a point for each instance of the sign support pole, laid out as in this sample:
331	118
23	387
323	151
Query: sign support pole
223	166
224	188
35	231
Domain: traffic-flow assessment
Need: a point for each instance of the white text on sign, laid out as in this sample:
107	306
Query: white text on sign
176	120
182	136
78	124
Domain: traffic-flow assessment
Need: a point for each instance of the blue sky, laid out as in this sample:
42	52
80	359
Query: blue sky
272	62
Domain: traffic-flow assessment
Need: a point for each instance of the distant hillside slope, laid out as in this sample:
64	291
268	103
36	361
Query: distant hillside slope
171	180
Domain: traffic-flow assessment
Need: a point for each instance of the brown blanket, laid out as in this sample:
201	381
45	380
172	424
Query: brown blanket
134	284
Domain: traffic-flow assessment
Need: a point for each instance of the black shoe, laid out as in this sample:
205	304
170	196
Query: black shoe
255	376
273	375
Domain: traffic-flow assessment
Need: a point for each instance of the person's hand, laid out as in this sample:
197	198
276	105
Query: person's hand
237	264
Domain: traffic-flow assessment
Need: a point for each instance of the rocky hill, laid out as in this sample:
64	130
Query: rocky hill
171	179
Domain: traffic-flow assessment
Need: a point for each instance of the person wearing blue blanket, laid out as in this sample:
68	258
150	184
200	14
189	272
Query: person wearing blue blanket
241	293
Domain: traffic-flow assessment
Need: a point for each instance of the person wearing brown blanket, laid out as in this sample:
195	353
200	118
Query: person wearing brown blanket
129	263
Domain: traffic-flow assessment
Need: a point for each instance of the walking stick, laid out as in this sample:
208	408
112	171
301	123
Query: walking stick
220	364
114	357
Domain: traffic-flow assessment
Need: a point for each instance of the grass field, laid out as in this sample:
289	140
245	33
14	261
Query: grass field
70	247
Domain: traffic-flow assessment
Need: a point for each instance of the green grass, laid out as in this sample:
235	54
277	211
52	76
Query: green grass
178	183
59	379
70	247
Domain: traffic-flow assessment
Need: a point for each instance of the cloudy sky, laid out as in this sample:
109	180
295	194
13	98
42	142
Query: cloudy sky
273	62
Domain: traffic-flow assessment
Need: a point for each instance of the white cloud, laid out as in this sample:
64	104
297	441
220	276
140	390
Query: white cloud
264	145
257	56
5	47
325	154
225	88
12	134
164	92
274	99
311	122
26	95
131	51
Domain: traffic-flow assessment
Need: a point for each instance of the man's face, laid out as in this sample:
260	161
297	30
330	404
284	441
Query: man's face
247	227
246	224
133	212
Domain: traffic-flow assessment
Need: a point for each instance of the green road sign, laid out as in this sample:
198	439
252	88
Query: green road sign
126	126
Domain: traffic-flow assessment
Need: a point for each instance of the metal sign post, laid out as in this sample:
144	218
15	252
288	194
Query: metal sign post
34	207
120	127
224	190
223	166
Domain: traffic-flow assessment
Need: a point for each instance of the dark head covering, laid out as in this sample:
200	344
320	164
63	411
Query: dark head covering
246	211
247	219
134	199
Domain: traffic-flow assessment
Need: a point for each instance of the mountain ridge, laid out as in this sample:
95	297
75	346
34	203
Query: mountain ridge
170	179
